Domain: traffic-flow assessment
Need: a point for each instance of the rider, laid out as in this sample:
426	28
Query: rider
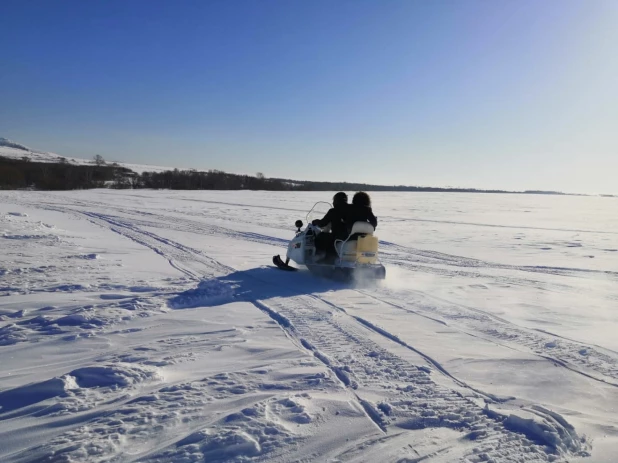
359	211
335	218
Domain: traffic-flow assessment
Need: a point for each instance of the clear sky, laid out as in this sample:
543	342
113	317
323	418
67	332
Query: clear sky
492	94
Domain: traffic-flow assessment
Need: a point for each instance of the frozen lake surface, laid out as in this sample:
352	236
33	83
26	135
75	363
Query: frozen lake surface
150	326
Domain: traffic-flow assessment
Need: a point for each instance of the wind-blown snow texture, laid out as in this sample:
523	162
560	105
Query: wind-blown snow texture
149	326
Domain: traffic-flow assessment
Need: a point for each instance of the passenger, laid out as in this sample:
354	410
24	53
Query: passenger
324	241
359	211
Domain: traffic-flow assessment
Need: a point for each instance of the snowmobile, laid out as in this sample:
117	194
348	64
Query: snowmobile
356	258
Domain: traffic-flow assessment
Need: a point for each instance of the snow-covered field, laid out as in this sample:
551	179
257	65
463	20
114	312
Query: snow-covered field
150	326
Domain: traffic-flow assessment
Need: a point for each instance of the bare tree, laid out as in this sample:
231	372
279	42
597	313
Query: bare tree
260	175
98	160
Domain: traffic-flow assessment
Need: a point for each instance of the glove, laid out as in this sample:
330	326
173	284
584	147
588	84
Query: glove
316	222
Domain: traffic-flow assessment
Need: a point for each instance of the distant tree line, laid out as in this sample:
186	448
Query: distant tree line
210	180
304	185
23	173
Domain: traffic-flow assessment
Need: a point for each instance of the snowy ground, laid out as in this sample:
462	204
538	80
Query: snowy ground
149	326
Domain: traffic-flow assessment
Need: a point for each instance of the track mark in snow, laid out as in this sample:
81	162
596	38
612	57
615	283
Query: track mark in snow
181	257
392	337
192	262
597	363
174	223
374	414
410	399
430	360
452	265
510	226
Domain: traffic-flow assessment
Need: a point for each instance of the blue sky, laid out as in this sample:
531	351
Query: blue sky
490	94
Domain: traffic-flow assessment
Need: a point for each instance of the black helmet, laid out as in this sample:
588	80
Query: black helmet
340	198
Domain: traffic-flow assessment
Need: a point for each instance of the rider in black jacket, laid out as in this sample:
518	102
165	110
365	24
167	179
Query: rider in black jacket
360	211
335	218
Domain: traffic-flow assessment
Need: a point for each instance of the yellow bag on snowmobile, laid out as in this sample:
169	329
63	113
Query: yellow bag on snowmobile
367	249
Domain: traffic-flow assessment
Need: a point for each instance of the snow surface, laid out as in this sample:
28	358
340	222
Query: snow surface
149	326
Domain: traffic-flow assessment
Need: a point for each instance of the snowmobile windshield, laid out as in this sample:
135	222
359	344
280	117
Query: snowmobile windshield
318	211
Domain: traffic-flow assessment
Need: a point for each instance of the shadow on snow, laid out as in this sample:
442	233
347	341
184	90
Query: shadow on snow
251	285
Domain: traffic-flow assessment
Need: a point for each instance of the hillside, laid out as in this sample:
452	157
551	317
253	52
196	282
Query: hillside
15	150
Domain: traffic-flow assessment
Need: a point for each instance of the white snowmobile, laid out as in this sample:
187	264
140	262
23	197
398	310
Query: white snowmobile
357	256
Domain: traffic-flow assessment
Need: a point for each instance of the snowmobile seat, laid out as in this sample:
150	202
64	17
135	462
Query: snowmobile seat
362	228
348	249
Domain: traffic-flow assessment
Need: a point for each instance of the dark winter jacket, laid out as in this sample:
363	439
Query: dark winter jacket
355	213
335	218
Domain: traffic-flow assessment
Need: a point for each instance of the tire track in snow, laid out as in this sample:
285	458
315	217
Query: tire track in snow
410	257
181	257
177	223
408	397
393	337
591	361
340	374
151	220
523	227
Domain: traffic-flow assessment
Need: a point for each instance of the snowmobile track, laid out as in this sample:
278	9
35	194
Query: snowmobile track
396	392
591	361
192	262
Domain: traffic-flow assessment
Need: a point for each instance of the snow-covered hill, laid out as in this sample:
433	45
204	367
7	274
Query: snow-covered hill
149	326
11	149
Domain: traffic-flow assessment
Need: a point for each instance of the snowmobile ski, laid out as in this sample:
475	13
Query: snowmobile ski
283	265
